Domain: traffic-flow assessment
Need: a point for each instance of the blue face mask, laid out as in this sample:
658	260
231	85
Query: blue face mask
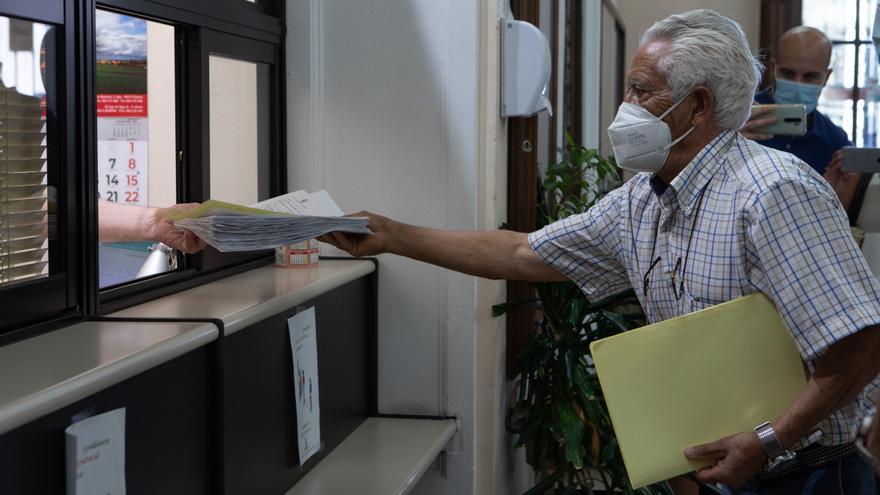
790	92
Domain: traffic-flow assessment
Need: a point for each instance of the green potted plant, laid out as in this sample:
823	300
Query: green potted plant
559	413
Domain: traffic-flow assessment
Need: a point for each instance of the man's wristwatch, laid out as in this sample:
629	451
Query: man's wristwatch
776	453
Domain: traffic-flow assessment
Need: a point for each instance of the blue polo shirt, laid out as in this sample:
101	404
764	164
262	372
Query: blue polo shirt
815	147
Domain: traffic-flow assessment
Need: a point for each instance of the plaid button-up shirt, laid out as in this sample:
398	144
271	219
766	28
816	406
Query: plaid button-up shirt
740	218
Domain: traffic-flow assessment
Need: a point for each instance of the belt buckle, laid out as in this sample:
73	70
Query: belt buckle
780	460
861	441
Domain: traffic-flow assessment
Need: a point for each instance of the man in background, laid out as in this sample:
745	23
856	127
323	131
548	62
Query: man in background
797	76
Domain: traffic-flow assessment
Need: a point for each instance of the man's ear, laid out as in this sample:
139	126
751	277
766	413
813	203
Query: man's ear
827	76
703	104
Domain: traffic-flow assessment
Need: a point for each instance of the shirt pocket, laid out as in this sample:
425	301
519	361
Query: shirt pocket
689	303
711	282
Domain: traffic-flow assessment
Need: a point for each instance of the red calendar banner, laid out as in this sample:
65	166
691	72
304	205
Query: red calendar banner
122	105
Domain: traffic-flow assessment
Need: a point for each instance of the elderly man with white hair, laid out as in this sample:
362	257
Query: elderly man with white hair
711	216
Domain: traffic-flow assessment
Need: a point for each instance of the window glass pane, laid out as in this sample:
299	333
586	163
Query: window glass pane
839	111
135	82
868	106
867	66
27	203
238	120
871	110
866	115
843	62
865	121
866	18
830	16
837	99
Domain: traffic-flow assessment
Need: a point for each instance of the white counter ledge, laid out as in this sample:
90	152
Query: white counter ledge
45	373
384	456
247	298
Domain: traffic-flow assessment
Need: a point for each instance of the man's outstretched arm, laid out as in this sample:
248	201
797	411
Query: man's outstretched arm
494	254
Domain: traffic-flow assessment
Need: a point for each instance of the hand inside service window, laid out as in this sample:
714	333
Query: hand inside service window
119	223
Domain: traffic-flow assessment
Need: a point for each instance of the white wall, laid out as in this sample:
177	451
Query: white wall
392	107
162	152
639	15
233	123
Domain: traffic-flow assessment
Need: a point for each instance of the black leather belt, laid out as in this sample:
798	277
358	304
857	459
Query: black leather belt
812	457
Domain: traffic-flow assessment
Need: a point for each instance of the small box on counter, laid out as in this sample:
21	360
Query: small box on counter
304	254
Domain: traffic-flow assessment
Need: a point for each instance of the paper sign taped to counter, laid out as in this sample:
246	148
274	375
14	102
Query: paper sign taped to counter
304	344
95	449
695	379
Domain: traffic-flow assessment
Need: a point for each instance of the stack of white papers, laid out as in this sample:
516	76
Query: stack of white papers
283	220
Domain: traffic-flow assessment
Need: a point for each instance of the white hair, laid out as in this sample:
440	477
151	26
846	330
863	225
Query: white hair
707	48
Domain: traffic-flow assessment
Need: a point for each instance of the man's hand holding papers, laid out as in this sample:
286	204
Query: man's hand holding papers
361	245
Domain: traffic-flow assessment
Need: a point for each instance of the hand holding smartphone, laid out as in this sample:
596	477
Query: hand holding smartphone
770	120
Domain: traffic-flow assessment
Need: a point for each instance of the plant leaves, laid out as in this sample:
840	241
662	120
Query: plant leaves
559	396
572	431
534	422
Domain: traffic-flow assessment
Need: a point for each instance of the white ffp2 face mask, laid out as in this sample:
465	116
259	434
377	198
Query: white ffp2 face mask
640	140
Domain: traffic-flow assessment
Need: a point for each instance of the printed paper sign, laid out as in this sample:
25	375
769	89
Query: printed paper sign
96	455
304	344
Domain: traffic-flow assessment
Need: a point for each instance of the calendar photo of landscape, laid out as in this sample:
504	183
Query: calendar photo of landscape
121	46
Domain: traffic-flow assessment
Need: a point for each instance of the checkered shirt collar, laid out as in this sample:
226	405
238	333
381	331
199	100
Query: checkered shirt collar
686	186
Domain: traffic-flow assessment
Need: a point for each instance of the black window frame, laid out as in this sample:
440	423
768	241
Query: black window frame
212	42
233	26
56	299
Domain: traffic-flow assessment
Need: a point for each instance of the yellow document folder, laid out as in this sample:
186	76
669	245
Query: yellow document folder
696	379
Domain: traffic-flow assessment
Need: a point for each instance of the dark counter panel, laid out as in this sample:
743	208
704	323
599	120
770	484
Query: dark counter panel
260	421
169	435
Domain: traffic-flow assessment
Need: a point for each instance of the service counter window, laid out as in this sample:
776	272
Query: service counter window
134	103
184	113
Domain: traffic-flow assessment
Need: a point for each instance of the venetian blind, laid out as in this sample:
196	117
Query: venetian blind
23	190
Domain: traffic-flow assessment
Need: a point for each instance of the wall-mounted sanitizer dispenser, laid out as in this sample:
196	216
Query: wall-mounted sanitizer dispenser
525	69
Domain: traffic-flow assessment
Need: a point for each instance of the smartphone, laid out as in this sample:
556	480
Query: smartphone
791	120
865	160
